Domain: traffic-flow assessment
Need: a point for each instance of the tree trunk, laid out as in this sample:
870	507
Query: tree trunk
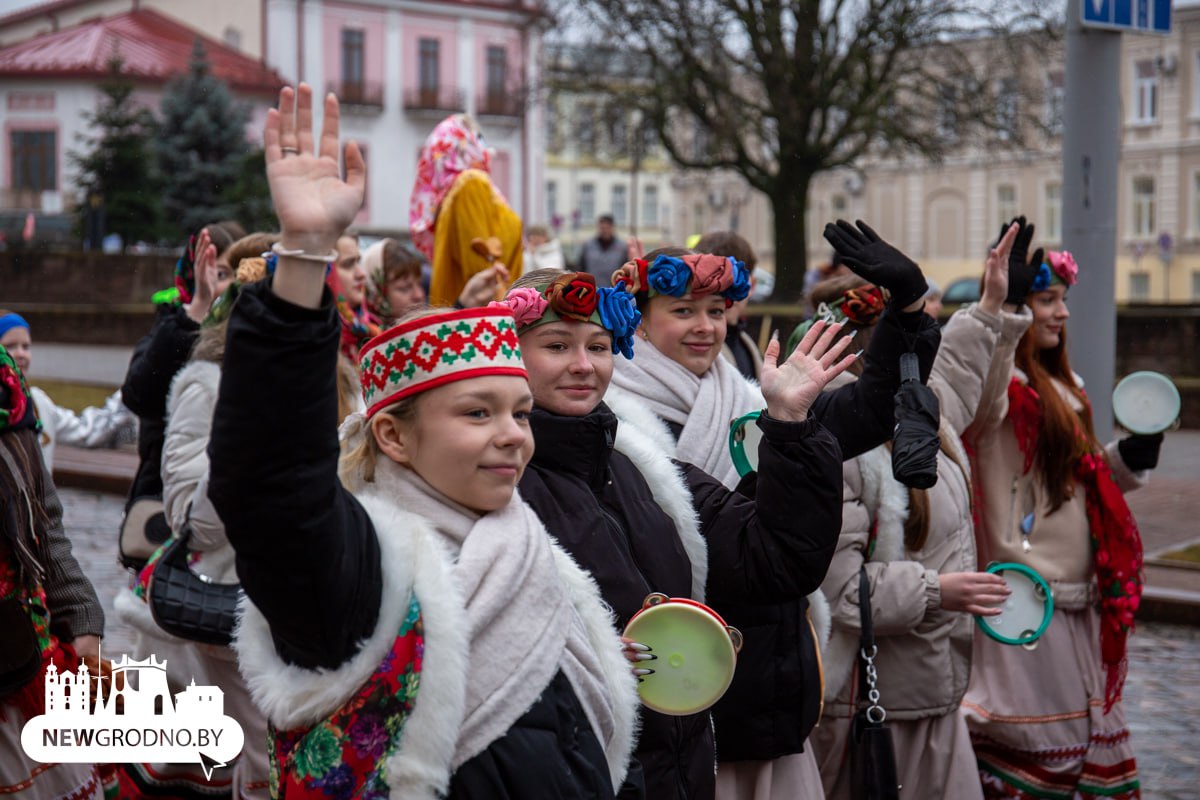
789	203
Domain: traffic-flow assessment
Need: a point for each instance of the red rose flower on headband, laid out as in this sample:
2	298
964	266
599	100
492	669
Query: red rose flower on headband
573	296
710	274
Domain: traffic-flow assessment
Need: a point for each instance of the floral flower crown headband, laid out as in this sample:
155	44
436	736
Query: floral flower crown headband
700	274
1059	267
574	296
861	306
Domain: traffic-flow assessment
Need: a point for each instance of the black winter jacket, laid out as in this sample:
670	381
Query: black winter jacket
775	699
308	555
598	505
156	359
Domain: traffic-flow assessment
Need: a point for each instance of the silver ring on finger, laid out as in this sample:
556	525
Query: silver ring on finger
287	151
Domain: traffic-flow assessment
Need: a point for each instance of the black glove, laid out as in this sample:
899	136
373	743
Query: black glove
1021	269
873	259
1140	451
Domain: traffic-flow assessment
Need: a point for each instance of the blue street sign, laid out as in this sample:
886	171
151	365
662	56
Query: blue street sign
1134	16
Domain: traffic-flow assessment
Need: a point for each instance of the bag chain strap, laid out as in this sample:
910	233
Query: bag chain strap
875	712
868	650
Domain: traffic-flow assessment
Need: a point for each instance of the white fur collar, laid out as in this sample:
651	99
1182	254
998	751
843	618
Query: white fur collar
204	373
644	439
414	560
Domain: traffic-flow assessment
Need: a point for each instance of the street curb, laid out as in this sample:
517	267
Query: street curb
1169	605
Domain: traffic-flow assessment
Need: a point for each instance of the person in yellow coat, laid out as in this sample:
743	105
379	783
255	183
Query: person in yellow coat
458	218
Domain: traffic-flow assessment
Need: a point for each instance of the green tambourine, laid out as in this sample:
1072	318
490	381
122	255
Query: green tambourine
743	442
1027	611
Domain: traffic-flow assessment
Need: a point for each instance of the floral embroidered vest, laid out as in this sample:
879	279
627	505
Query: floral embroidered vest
346	754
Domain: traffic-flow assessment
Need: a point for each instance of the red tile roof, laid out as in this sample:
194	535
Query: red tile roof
153	47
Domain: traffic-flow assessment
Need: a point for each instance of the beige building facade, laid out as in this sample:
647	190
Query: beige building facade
947	214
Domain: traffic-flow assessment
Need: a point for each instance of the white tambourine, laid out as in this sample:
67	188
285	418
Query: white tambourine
1146	402
1026	613
744	437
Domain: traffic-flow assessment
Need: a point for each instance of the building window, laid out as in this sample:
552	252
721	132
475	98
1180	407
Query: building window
1053	212
620	204
551	201
1196	86
1143	207
701	140
497	71
1139	286
1195	204
232	37
428	67
587	202
1145	92
837	206
1006	203
947	123
34	159
352	60
1056	98
587	129
1007	103
650	207
1195	286
618	129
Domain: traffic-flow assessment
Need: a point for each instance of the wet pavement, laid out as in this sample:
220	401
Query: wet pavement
1162	692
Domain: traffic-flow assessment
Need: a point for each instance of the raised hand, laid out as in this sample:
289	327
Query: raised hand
206	271
973	592
314	205
995	271
1021	269
873	259
482	287
791	387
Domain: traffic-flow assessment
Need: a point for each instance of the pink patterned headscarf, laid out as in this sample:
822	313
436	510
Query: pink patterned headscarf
453	148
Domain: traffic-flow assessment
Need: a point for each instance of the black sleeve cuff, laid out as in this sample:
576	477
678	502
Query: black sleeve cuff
780	431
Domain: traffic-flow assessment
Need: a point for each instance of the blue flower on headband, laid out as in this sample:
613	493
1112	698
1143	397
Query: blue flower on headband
668	275
1041	279
271	260
741	282
618	313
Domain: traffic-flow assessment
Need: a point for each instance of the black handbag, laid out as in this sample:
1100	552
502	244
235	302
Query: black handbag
188	605
873	773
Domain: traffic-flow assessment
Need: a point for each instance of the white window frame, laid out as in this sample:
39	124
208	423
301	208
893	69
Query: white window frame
1056	102
587	213
649	210
1145	92
1052	212
1006	209
1139	286
620	204
1143	211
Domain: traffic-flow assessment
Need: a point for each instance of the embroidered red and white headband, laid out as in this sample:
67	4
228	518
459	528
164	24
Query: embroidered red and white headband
432	351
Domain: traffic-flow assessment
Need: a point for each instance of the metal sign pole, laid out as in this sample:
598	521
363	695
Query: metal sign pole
1091	154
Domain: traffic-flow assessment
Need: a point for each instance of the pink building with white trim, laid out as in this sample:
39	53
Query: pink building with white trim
401	66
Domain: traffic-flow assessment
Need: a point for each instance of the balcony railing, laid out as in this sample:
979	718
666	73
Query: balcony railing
439	99
364	94
501	104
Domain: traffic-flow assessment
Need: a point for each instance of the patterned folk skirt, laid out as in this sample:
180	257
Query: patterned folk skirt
22	778
1037	717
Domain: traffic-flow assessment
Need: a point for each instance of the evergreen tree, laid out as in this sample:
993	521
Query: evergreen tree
116	168
202	147
251	194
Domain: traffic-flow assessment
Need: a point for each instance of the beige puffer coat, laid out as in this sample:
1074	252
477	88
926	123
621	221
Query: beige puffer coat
1060	542
924	657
